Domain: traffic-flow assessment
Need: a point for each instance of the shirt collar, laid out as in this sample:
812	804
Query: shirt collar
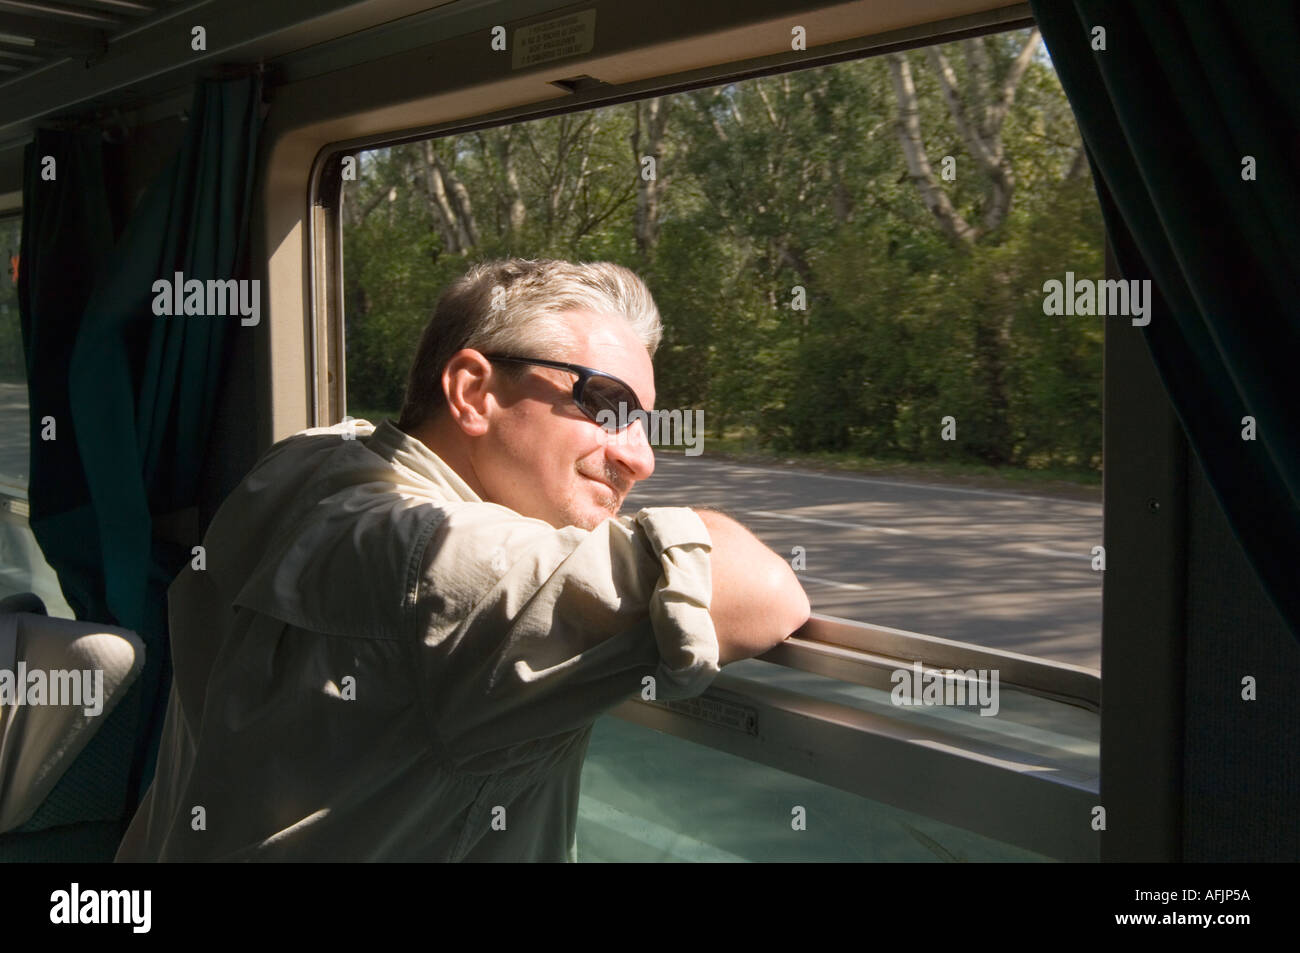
401	448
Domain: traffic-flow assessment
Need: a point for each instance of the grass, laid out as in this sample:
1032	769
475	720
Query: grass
1056	481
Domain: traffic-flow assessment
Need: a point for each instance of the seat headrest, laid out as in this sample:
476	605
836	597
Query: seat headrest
59	680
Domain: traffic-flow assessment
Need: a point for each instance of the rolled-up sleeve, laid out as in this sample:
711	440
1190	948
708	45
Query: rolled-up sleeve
528	632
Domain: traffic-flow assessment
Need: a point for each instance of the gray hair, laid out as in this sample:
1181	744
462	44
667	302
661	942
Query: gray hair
512	306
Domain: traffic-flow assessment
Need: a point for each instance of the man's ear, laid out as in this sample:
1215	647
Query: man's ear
466	385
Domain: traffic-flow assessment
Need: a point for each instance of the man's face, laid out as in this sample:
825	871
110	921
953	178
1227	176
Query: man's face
542	456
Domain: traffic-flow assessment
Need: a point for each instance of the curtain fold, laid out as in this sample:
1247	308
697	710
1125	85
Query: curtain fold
137	394
67	233
1191	115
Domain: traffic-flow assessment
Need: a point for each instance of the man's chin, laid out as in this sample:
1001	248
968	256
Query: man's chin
592	516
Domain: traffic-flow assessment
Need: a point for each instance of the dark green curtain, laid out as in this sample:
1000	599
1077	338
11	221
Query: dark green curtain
67	233
138	392
1169	111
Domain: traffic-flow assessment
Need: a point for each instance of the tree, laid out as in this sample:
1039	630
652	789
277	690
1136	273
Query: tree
978	107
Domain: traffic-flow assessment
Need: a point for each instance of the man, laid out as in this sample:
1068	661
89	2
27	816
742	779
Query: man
403	635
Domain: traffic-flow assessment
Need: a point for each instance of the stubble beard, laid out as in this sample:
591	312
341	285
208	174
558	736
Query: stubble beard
610	501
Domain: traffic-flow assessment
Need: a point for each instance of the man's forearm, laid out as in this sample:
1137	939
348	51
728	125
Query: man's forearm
757	599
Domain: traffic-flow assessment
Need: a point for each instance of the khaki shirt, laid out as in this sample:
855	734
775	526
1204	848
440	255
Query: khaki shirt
375	664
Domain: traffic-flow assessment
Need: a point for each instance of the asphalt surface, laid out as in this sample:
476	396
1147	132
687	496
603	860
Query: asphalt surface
1000	569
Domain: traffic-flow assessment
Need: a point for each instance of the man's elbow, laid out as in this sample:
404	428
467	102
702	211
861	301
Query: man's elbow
790	605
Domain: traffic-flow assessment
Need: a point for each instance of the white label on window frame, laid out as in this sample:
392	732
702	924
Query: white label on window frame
570	35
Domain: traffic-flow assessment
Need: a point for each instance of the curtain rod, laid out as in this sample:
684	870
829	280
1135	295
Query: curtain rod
116	122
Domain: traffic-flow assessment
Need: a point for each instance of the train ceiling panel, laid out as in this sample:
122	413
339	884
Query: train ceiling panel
33	35
67	58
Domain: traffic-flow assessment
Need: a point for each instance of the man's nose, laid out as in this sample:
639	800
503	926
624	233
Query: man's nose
631	451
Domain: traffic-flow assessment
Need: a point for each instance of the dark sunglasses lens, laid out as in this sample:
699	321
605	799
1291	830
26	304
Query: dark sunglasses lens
608	402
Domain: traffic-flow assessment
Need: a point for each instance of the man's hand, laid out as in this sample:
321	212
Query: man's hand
757	600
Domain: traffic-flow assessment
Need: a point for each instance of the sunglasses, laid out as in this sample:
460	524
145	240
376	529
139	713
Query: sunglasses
594	391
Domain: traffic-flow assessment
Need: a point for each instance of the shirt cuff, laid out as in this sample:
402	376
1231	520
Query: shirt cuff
679	607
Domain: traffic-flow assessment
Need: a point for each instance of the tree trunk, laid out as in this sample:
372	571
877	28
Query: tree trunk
958	230
978	112
449	201
653	114
516	210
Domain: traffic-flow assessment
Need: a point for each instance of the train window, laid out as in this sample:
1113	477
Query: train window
22	567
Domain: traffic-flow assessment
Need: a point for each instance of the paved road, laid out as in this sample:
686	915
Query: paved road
1000	569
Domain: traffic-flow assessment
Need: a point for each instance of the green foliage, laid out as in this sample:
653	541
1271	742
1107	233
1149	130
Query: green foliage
764	187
